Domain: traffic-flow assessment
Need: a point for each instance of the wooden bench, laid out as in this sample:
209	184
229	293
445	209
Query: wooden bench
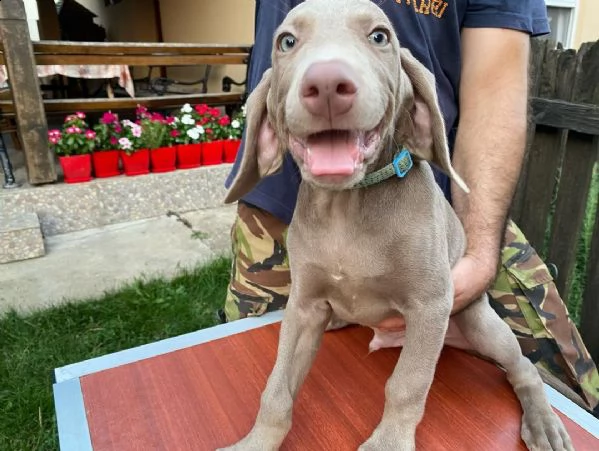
134	54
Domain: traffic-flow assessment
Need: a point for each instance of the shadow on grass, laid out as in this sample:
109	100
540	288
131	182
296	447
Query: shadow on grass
32	345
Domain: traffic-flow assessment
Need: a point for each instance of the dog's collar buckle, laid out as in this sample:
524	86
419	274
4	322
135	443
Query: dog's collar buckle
401	165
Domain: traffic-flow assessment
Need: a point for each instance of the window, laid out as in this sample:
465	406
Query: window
561	14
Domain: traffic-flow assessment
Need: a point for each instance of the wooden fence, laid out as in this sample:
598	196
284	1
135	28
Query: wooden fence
555	191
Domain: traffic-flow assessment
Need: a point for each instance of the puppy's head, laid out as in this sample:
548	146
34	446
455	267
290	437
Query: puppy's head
340	92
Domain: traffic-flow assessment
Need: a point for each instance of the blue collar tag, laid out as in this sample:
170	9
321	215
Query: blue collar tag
402	163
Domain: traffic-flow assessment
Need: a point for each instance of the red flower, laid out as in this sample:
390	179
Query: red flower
174	133
201	109
204	121
224	121
209	131
170	120
214	112
157	117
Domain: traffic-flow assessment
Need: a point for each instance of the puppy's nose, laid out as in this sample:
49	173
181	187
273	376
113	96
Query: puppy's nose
328	89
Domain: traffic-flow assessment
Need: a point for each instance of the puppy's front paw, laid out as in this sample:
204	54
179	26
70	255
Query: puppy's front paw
388	439
258	439
544	431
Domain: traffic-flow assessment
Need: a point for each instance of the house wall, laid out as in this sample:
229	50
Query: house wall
208	21
587	24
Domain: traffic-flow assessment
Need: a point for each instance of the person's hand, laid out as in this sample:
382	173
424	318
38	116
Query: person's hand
471	278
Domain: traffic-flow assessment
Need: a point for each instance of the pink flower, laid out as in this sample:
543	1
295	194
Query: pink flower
77	130
174	133
141	111
109	118
157	117
53	139
136	131
90	134
224	121
118	128
170	120
80	115
54	133
209	131
113	140
71	130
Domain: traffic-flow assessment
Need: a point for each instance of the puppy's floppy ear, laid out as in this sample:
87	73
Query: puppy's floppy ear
423	133
261	157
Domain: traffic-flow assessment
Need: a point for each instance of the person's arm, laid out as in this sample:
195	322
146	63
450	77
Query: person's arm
489	149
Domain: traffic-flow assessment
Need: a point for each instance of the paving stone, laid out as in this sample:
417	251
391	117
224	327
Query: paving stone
20	237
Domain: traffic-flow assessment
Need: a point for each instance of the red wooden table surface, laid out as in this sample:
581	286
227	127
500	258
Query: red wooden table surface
207	396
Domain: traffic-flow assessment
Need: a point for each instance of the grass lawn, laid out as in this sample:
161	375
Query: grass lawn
32	346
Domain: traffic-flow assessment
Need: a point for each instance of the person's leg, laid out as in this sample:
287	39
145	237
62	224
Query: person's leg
526	298
260	278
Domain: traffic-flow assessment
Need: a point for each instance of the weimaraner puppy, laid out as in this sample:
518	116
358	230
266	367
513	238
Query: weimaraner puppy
343	97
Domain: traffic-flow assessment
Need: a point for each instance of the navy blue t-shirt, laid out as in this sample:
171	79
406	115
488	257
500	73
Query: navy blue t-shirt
430	29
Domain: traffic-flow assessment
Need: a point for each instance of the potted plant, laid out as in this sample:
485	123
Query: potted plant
163	157
187	133
212	150
74	145
136	159
106	155
234	131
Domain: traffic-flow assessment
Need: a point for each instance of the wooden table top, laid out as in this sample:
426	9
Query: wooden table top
207	396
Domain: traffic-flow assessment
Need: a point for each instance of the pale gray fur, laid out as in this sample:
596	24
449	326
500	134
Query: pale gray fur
363	255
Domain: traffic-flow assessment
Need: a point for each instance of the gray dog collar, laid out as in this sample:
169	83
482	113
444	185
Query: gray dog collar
401	165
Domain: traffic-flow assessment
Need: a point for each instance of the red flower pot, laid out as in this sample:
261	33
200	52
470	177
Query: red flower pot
189	156
212	153
163	159
231	147
137	163
76	168
106	163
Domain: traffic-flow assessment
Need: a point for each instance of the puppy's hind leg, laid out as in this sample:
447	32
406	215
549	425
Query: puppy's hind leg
492	337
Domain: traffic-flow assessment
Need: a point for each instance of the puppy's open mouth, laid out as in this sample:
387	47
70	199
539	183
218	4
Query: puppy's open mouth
335	152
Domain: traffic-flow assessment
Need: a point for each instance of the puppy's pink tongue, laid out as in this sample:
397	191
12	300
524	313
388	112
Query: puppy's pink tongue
332	154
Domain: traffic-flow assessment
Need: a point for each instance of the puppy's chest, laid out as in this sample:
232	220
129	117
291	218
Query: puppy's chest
344	260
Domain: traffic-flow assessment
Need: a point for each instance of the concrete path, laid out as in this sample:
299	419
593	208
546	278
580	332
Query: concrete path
84	264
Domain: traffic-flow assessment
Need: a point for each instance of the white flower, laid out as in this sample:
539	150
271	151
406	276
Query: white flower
193	134
128	123
200	129
125	143
136	130
243	110
186	108
235	124
187	119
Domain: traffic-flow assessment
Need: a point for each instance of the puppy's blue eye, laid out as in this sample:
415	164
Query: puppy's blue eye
379	38
286	42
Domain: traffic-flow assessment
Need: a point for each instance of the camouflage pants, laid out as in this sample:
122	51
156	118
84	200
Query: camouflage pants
523	295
